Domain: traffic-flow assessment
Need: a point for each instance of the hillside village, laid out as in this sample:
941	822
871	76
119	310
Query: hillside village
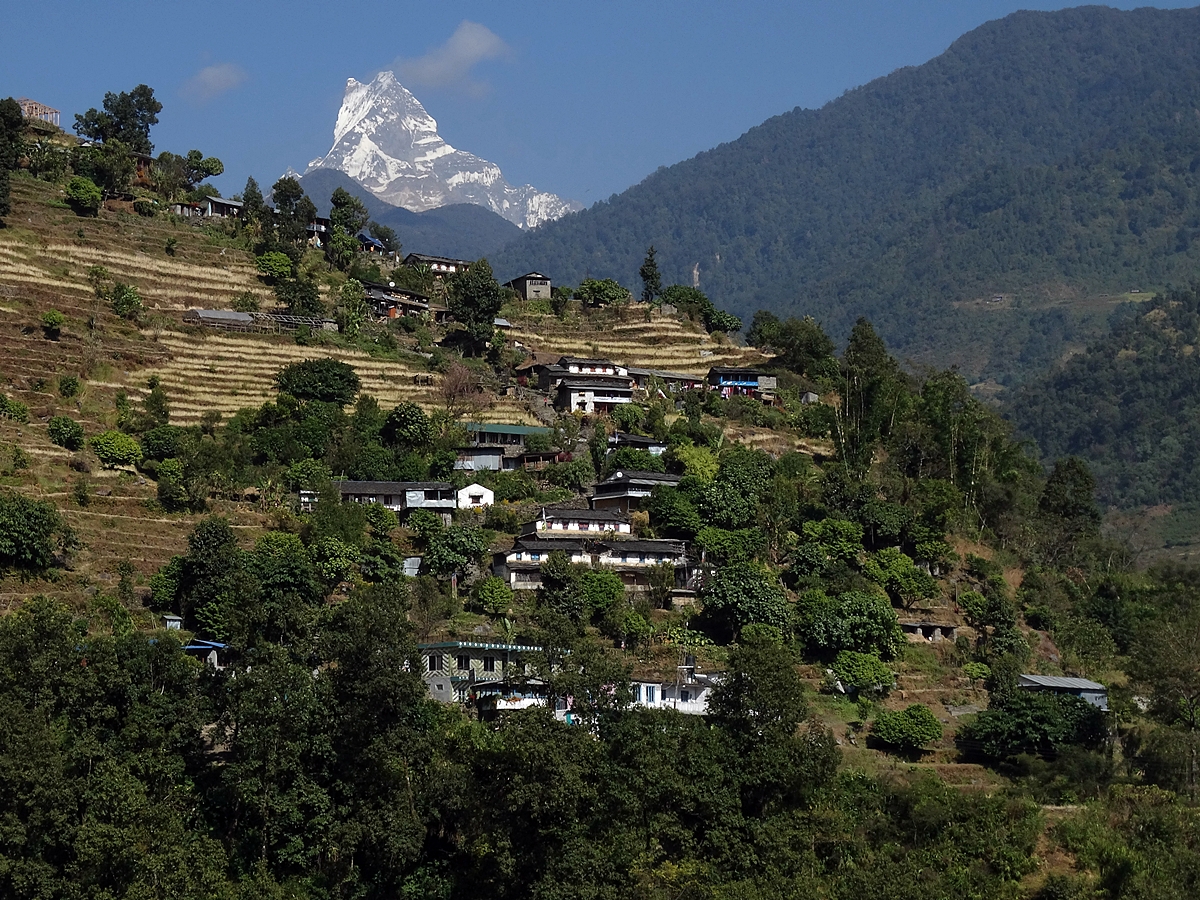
253	431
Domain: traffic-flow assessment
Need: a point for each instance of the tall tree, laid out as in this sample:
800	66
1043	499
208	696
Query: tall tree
126	117
11	122
348	211
293	212
474	302
651	278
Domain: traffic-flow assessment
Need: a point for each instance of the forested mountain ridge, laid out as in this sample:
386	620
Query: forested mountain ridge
914	196
1129	405
462	230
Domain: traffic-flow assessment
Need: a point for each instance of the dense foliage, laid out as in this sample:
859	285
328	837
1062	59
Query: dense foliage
1128	405
1040	150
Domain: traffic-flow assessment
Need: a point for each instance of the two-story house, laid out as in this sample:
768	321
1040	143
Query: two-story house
590	395
463	670
401	497
631	560
438	265
665	381
577	523
623	491
531	286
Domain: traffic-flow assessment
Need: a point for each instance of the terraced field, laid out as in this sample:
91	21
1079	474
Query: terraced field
226	372
664	342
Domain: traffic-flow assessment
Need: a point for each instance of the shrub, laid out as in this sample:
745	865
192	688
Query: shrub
14	409
977	671
327	380
908	729
274	266
246	301
144	206
31	531
863	672
172	490
161	442
68	386
1034	723
65	432
126	301
52	324
83	195
494	595
170	246
116	449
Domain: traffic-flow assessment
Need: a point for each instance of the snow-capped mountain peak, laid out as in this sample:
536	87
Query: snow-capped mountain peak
386	140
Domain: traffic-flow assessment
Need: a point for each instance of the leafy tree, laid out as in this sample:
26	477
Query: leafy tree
601	591
863	672
385	236
65	432
32	533
116	449
113	167
255	217
352	308
651	277
323	380
274	266
407	426
301	296
474	300
561	591
348	212
494	595
293	213
52	324
908	729
11	122
896	573
83	195
742	593
850	621
454	549
606	292
1032	722
126	117
126	301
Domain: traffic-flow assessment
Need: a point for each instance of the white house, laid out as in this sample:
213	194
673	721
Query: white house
475	496
577	523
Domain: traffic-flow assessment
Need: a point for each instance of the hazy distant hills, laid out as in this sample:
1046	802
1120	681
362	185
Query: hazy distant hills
1042	158
461	230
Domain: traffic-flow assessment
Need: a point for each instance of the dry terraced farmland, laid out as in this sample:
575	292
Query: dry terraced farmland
664	342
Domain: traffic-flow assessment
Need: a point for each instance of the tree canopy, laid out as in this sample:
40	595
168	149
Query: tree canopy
125	117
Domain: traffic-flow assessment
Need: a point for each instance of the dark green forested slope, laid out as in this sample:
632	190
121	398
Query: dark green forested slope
1042	155
1130	405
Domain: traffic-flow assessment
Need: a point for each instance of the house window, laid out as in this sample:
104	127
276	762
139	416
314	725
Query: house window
535	556
637	693
435	662
476	499
650	691
685	696
463	663
489	664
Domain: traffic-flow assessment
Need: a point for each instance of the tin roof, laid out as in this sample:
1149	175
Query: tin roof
1060	682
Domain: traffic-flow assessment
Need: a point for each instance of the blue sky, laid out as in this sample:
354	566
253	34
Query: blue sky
580	99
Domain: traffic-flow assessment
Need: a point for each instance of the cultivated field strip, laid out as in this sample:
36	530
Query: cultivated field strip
662	343
227	373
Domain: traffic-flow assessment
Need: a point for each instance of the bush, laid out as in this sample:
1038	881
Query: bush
161	442
68	386
863	672
52	324
274	266
14	409
83	195
31	531
172	491
1035	723
908	729
116	449
246	301
144	206
494	595
65	432
327	380
126	301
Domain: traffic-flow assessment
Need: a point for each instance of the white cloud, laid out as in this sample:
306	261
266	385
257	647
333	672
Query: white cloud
212	81
450	64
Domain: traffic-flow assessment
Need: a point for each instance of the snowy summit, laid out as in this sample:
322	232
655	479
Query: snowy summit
385	140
